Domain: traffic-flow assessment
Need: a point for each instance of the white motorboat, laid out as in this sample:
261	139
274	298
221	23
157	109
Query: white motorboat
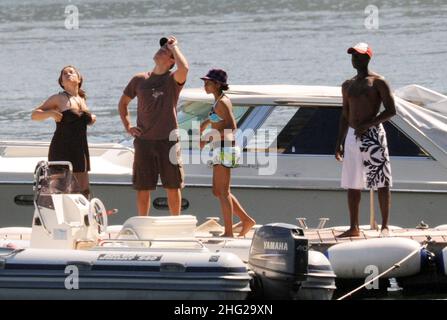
69	253
64	259
299	177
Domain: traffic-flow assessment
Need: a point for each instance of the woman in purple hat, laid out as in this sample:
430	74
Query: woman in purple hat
225	153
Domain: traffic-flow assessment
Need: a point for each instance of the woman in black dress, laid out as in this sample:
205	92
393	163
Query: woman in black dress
69	110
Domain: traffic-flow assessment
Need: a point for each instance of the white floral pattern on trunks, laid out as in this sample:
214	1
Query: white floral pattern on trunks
374	149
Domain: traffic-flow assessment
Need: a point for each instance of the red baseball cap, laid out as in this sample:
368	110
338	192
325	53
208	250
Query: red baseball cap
362	48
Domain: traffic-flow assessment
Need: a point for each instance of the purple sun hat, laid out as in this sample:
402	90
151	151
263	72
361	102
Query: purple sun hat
217	75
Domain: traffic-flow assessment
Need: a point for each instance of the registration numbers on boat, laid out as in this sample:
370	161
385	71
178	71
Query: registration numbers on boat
128	257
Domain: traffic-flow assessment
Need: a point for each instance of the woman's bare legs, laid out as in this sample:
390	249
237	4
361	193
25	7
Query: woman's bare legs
228	202
247	221
83	183
221	190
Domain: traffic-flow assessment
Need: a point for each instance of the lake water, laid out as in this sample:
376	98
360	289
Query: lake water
256	41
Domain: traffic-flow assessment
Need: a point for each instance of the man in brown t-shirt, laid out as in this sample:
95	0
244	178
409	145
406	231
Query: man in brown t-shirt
157	151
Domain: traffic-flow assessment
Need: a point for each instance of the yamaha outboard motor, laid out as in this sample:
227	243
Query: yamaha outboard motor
279	258
285	269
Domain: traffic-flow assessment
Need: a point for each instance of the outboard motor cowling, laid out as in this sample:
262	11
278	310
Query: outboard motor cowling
279	259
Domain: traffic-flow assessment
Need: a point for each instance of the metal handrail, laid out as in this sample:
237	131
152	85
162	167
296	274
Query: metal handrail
47	144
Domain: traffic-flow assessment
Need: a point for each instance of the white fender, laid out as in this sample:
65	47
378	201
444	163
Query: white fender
350	259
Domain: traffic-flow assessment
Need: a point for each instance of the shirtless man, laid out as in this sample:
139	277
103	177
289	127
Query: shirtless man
361	141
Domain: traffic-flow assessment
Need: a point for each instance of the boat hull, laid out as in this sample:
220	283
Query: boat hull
408	207
111	274
105	294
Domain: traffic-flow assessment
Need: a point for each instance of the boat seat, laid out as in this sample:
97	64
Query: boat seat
182	226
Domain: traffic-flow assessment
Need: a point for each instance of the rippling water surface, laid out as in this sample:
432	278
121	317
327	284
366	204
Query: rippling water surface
256	41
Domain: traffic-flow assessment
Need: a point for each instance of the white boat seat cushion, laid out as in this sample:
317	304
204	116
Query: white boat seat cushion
182	226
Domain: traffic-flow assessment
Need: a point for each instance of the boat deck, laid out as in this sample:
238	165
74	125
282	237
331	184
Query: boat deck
322	239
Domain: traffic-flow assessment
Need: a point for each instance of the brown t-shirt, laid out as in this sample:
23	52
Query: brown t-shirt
157	103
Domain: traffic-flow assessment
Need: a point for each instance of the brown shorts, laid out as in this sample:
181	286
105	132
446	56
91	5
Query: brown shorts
151	159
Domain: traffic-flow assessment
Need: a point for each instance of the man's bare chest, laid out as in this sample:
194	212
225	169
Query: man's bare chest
363	88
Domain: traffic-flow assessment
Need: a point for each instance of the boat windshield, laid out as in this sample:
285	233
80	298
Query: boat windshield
57	179
197	111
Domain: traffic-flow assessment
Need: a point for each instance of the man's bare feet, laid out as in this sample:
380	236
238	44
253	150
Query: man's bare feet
384	232
350	233
226	235
246	227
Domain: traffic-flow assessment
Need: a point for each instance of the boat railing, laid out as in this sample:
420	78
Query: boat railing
6	252
99	146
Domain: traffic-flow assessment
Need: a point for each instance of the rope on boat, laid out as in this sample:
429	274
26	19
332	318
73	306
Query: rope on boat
12	252
394	266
